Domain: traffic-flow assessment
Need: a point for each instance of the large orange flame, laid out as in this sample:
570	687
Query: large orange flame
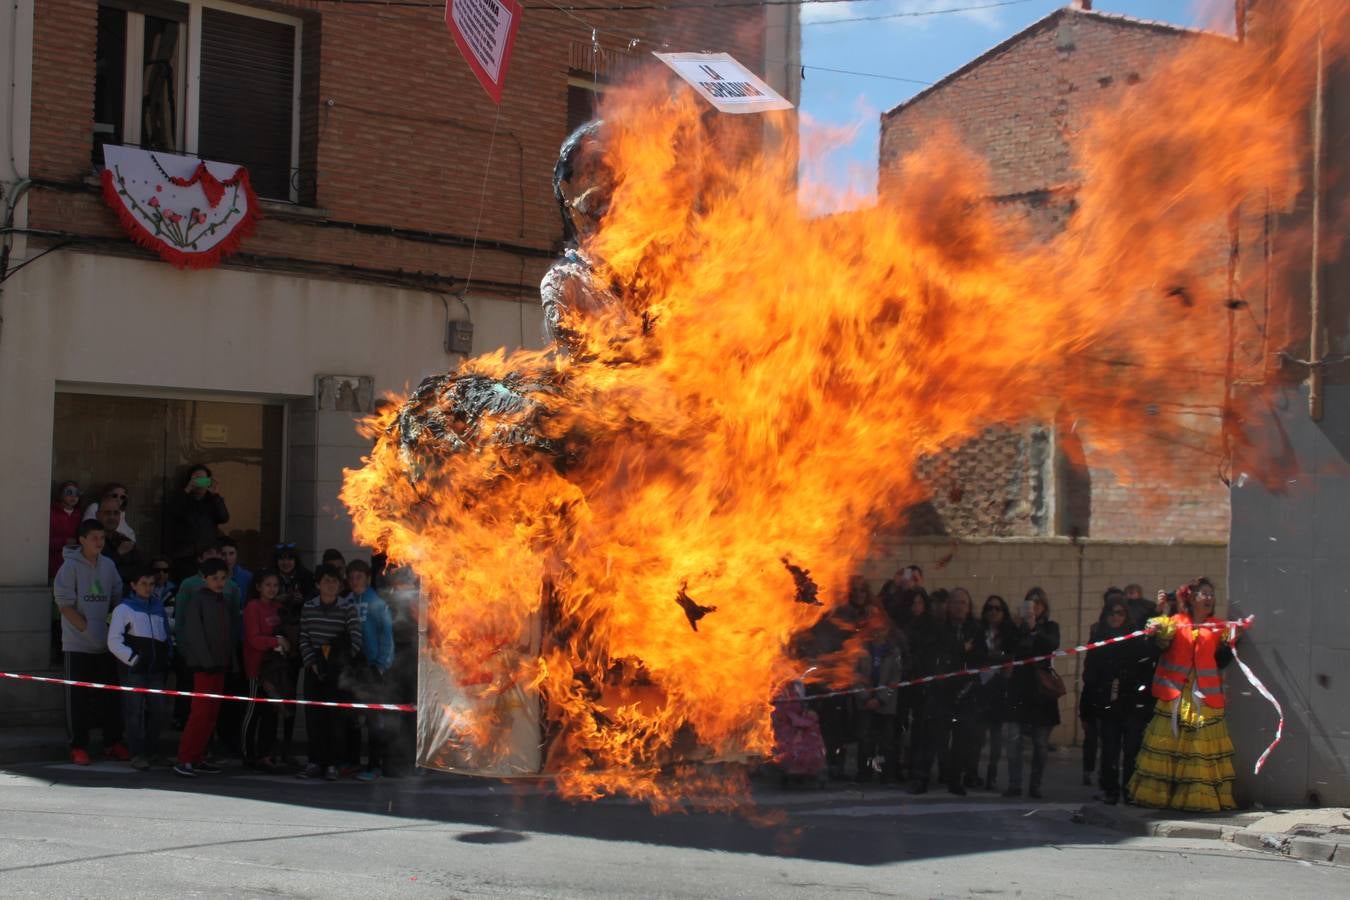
793	372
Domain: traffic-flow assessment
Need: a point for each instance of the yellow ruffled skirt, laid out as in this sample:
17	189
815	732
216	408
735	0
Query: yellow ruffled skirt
1191	771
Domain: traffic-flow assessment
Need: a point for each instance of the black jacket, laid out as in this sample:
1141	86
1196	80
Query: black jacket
993	686
949	654
1026	702
206	629
125	562
1117	678
194	522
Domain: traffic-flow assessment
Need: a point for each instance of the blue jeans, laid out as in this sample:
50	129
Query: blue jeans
144	714
1014	736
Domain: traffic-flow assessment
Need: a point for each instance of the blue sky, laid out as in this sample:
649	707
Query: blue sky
921	48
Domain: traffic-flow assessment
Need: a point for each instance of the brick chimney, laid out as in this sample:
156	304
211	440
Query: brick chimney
1084	5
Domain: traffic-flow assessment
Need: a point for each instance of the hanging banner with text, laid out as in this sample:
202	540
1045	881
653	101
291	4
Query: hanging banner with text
484	31
725	83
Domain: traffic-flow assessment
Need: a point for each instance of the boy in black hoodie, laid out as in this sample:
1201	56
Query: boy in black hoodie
206	629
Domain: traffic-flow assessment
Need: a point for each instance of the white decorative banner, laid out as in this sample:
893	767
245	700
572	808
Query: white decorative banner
193	213
724	82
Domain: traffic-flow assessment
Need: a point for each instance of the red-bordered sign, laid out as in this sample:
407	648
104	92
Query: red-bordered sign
484	31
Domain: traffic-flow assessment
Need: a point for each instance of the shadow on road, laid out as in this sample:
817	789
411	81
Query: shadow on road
870	826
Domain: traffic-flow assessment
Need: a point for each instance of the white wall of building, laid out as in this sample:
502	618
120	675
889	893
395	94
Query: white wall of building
105	323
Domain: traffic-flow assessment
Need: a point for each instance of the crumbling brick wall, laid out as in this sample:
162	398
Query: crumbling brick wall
1017	107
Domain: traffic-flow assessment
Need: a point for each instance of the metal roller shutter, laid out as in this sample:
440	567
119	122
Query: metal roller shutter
247	90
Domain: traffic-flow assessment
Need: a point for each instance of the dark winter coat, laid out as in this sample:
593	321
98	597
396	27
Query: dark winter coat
1117	677
924	654
194	521
880	664
206	629
949	654
1026	702
993	686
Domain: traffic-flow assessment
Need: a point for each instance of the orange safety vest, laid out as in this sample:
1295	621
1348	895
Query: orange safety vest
1192	649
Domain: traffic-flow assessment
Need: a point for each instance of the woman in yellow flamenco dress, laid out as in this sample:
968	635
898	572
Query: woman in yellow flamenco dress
1186	761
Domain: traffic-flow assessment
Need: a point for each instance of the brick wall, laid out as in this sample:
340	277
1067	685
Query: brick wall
395	131
995	485
1018	107
1074	576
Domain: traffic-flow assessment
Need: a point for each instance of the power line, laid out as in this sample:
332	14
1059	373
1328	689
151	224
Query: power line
864	74
571	10
680	5
738	4
625	38
916	13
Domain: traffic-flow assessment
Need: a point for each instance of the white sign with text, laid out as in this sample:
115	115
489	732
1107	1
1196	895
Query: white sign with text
724	82
485	31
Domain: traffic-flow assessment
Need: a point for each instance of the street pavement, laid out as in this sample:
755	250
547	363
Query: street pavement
107	831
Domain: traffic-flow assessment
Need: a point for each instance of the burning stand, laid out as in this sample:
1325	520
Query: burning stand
495	721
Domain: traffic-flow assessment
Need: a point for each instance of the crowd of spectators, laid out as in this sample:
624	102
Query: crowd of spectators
958	732
193	617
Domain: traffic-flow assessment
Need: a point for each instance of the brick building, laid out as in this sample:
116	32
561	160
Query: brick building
366	136
1017	106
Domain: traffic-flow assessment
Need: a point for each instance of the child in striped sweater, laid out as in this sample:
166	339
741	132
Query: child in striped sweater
330	639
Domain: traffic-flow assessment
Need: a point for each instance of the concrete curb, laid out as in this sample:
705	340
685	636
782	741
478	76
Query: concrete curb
1296	846
1313	848
1128	822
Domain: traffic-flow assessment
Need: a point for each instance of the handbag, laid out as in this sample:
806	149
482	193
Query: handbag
1050	684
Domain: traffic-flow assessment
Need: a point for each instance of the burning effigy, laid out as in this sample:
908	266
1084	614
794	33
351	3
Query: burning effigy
620	536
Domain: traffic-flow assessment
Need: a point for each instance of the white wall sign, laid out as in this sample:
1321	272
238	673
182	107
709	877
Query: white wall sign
484	30
724	82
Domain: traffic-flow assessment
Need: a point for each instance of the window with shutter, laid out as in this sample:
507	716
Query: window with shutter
109	79
245	71
247	97
583	98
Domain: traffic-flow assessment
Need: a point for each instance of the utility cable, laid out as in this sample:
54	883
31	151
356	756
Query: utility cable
678	5
913	14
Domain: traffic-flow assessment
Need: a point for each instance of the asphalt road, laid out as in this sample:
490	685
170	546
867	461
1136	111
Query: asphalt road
106	831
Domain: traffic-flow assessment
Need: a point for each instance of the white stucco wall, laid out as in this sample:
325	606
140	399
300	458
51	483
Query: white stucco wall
83	320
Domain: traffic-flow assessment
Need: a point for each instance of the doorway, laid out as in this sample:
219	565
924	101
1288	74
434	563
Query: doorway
148	444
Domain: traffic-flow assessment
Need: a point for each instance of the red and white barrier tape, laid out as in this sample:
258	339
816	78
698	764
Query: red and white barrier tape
1261	688
960	673
1074	651
334	704
927	679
